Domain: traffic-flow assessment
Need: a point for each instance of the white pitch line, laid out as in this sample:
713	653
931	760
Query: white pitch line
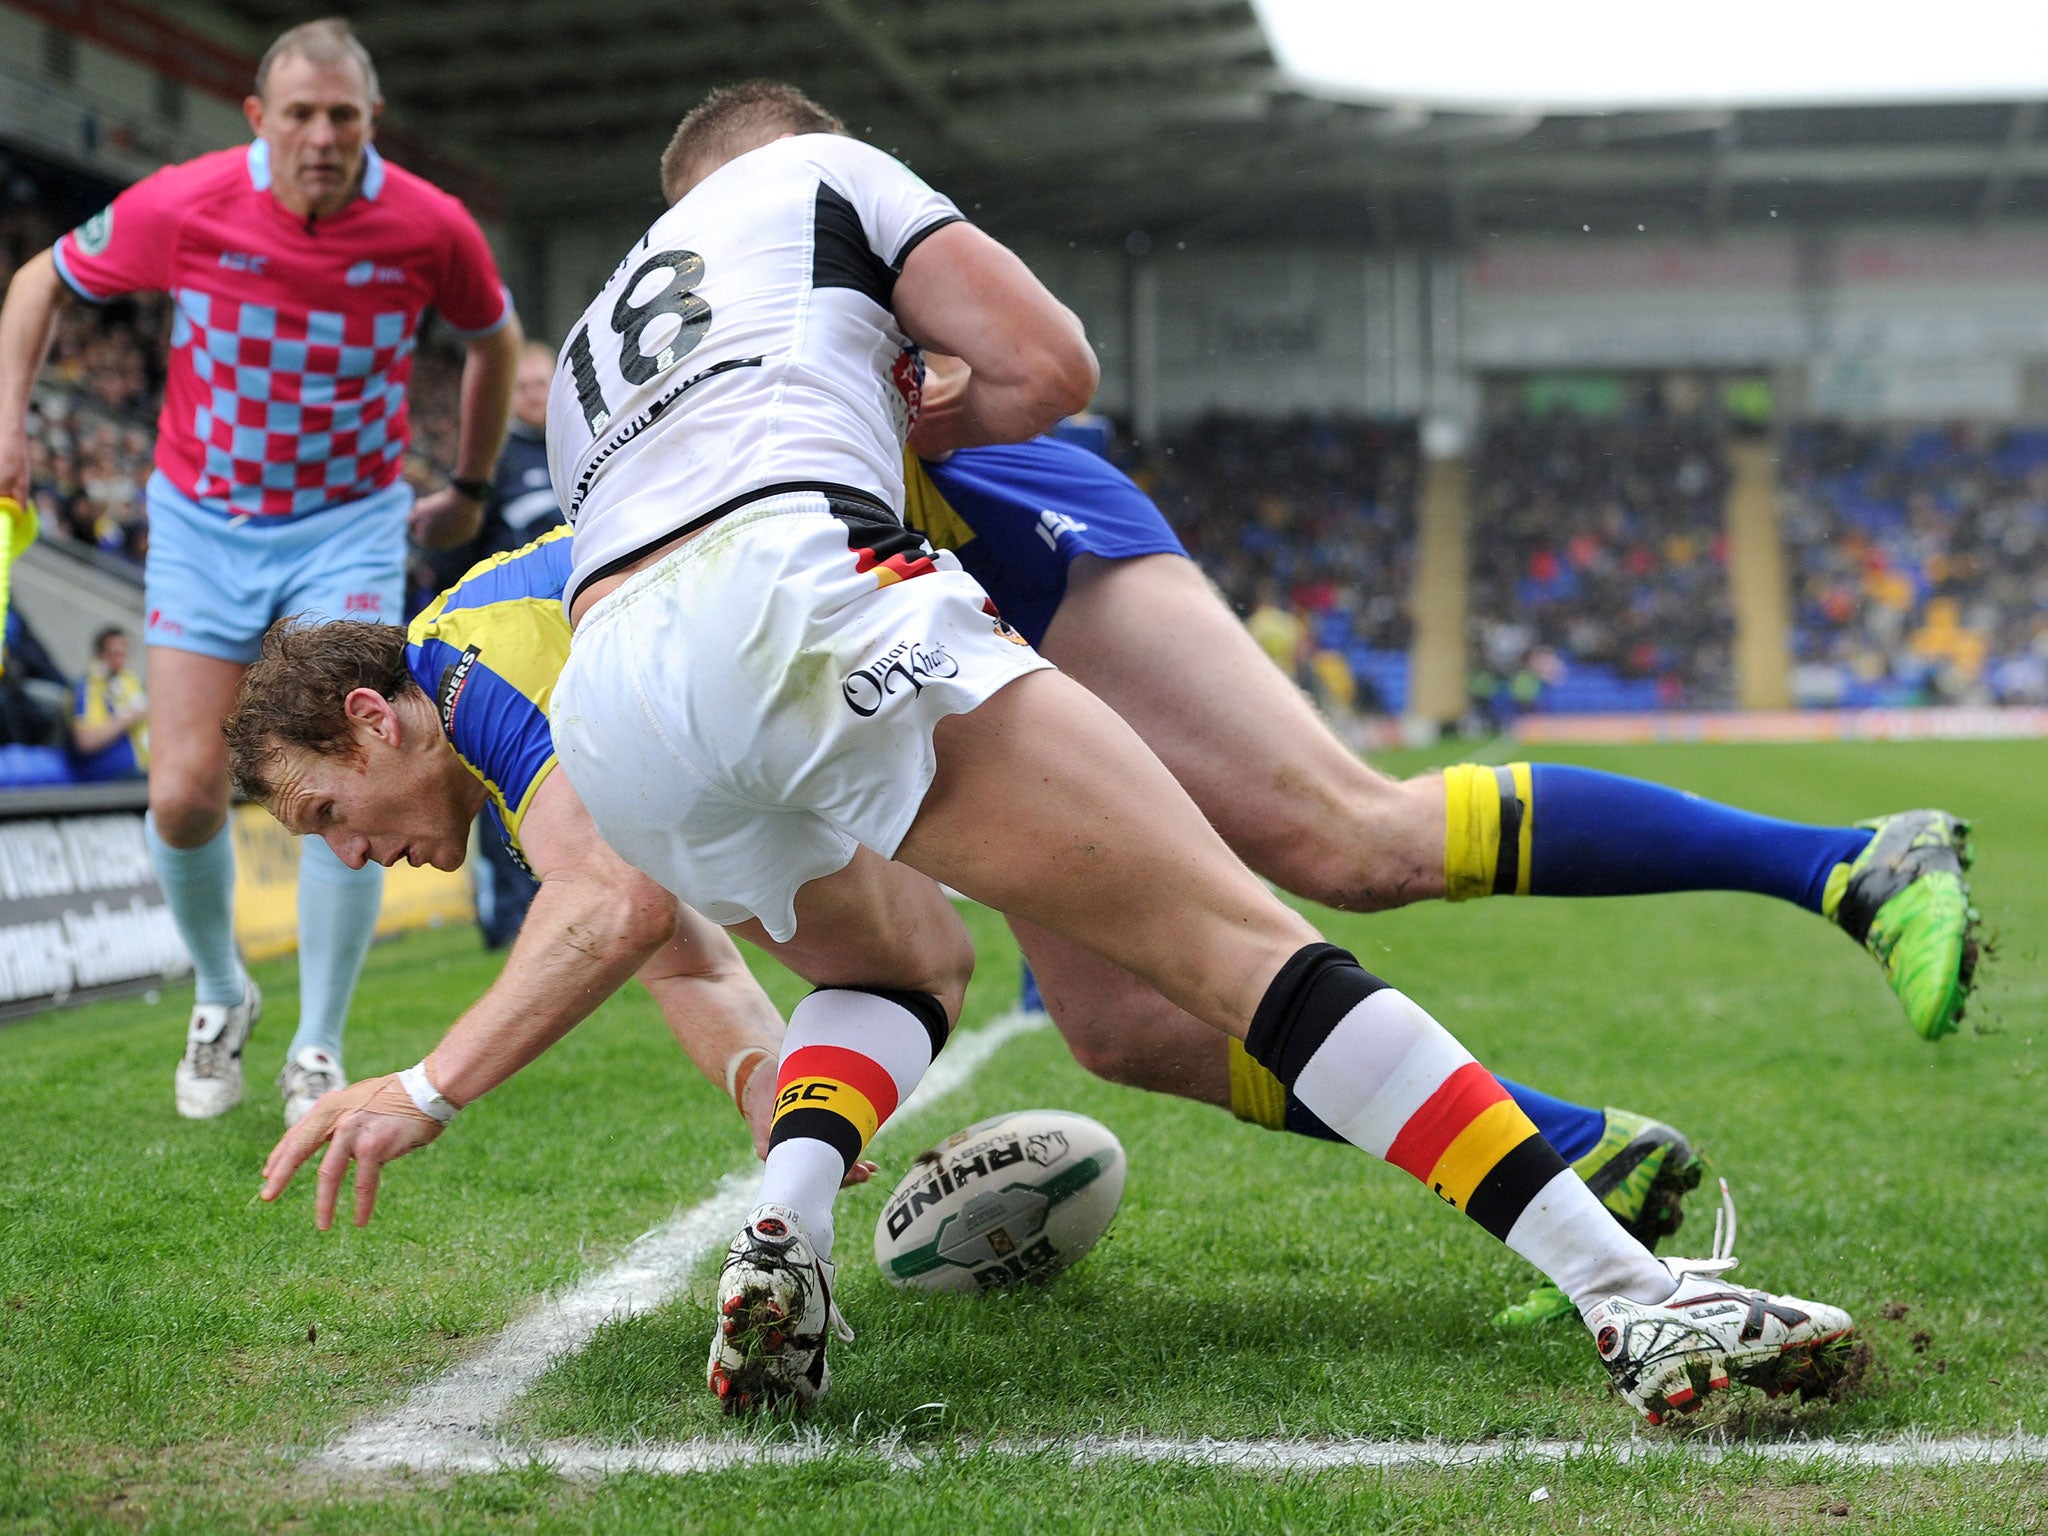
719	1453
447	1424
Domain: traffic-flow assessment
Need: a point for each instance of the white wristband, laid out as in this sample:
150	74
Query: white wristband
425	1096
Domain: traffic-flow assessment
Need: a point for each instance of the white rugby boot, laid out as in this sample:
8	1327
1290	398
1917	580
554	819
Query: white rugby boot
775	1314
209	1076
310	1073
1668	1356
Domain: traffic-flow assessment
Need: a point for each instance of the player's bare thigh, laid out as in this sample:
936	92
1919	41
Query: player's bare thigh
1153	639
189	696
876	923
1120	1029
1048	807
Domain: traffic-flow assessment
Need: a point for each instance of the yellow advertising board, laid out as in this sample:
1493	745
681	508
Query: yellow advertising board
267	890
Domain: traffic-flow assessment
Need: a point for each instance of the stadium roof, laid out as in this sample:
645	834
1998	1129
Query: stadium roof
1609	55
1095	118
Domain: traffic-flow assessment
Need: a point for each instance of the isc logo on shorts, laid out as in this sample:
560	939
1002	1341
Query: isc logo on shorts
905	664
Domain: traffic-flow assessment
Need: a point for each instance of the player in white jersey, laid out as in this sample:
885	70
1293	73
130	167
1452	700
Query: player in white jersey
775	691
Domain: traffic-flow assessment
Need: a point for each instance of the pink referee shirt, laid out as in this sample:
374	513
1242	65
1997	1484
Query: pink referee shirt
293	338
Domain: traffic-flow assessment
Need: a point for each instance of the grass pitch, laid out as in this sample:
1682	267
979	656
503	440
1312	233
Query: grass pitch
170	1348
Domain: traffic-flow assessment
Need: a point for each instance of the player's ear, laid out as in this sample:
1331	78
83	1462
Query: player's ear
252	109
376	113
372	716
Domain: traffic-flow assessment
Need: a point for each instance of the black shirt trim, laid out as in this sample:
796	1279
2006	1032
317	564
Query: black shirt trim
923	235
725	509
840	257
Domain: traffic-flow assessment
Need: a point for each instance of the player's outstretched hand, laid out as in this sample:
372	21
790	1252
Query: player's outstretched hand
369	1123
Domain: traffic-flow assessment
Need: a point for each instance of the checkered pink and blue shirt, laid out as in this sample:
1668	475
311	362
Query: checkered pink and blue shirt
292	339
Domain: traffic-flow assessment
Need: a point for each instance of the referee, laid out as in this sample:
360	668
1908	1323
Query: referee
299	267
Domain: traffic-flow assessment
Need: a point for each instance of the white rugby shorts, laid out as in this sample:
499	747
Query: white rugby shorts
742	715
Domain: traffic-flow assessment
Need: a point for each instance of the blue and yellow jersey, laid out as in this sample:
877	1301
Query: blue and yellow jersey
1017	515
487	652
99	697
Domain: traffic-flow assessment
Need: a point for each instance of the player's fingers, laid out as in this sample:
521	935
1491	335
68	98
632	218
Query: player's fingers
369	1169
285	1160
295	1146
332	1167
859	1173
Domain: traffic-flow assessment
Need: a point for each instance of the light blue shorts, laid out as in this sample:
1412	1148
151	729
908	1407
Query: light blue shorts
214	583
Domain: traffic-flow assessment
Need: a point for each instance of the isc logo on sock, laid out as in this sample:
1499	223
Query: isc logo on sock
833	1097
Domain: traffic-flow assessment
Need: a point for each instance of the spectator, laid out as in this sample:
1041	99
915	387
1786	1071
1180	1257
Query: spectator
1320	517
522	505
521	508
110	715
1920	564
1599	563
33	691
1281	633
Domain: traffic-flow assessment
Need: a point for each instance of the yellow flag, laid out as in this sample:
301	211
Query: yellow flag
17	532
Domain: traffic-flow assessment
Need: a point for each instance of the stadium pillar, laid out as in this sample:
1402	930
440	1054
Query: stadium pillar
1757	589
1141	345
1437	599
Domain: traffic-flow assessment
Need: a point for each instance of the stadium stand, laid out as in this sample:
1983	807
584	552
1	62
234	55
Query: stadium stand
1599	564
1920	564
1316	516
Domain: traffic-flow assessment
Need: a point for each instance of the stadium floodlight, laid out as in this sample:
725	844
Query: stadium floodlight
1599	55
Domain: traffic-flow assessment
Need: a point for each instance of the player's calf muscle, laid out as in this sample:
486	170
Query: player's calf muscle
1086	851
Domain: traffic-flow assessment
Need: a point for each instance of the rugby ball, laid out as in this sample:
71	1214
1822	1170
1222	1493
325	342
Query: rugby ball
1007	1201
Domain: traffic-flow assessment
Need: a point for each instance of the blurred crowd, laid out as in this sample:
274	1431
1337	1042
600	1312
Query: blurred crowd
1308	527
1599	565
91	429
1919	562
1919	558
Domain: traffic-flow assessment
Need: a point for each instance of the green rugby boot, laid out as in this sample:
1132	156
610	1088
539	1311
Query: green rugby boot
1905	900
1642	1170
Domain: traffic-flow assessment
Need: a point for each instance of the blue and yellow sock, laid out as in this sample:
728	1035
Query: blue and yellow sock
1258	1097
1547	829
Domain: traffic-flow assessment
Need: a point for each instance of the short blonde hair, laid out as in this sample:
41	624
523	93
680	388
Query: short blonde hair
732	120
329	40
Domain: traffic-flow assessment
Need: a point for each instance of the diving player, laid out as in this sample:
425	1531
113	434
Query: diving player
457	721
1081	562
386	744
775	689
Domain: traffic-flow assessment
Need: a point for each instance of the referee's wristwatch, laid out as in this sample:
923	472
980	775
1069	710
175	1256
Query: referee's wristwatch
471	490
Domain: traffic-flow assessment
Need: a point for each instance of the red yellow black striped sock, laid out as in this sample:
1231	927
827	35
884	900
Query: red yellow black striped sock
850	1057
1389	1079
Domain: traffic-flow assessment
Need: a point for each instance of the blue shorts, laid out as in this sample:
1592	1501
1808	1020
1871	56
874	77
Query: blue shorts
213	583
1021	513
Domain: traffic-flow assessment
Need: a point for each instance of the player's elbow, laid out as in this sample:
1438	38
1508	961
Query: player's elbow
1064	374
647	920
628	925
